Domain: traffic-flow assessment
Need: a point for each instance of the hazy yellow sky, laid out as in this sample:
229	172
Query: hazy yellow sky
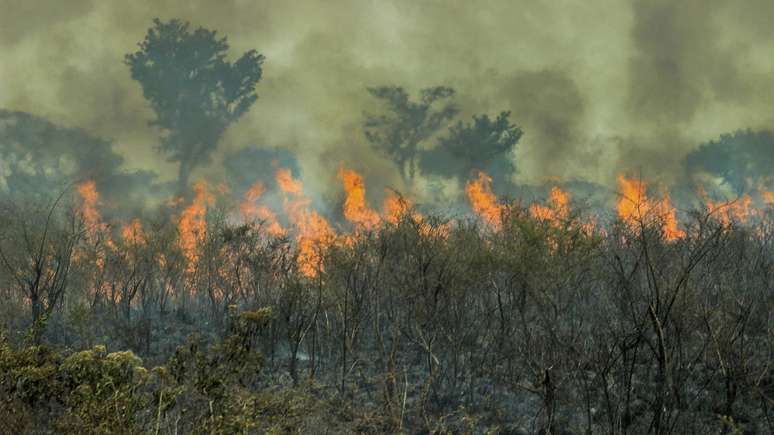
598	86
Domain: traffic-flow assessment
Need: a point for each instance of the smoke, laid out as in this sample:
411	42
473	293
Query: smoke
40	159
692	76
551	108
249	165
597	87
742	160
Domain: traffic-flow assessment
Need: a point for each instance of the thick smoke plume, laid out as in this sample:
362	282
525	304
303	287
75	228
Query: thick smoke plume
638	94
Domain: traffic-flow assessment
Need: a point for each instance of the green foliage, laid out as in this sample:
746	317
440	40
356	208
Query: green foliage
101	391
93	391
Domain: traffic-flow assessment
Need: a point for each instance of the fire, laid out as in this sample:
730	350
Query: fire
634	207
132	233
727	211
286	182
250	210
97	235
560	202
90	199
558	208
253	194
313	233
355	208
96	230
484	201
766	195
192	226
632	200
396	206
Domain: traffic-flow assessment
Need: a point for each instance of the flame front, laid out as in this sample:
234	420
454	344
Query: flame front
89	201
313	233
558	209
286	182
635	208
766	195
355	208
192	226
132	233
726	212
396	206
483	200
251	210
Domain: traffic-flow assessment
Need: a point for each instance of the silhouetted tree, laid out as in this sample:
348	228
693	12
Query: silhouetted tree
476	145
38	157
740	159
406	124
195	92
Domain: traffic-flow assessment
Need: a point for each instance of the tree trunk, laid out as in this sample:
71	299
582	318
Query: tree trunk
37	316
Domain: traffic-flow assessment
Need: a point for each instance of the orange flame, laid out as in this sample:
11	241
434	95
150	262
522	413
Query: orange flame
727	211
355	208
766	195
560	202
90	199
484	201
250	210
558	208
634	208
286	182
132	233
95	229
313	233
192	226
396	206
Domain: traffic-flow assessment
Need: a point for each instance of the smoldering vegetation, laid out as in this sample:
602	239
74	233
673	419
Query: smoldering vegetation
523	321
407	279
39	159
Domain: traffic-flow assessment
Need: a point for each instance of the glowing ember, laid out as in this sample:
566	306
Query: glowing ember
355	208
192	226
634	208
484	201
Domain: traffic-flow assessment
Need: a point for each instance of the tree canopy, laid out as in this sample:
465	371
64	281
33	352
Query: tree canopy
741	159
194	90
482	144
405	124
